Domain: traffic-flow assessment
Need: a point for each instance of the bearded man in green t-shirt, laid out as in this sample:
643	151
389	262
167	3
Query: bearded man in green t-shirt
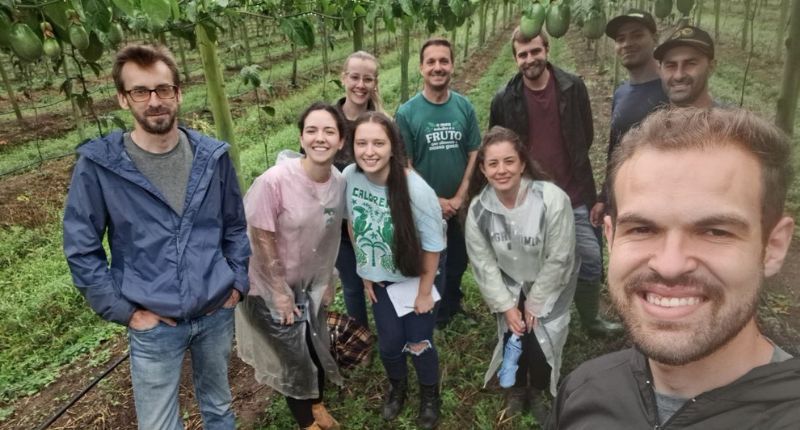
441	136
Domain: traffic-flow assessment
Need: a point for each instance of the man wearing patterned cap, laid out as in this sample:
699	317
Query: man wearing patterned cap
686	62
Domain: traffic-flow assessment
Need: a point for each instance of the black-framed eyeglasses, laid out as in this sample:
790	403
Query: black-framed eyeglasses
141	94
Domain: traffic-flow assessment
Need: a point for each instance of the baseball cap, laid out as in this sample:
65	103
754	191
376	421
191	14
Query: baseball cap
689	36
632	15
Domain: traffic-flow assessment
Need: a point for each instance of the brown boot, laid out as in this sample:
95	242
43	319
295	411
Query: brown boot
314	426
322	418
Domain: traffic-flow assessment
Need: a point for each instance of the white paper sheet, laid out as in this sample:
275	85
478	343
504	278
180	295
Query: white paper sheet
404	294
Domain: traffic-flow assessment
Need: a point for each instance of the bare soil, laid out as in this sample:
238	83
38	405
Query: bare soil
32	199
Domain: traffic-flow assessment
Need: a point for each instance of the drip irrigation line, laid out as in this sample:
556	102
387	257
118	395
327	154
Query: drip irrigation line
83	392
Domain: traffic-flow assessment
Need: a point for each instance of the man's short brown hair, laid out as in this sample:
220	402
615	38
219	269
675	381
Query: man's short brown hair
144	56
680	129
517	36
436	41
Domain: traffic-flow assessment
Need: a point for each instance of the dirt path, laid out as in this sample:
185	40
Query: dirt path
110	404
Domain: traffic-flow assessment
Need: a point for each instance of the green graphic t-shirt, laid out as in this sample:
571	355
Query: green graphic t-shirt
438	139
373	230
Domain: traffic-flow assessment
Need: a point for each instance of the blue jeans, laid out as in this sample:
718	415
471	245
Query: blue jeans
588	247
352	286
156	357
395	333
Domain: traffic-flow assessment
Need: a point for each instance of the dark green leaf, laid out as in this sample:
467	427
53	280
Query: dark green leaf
125	6
57	13
98	15
159	11
269	110
96	69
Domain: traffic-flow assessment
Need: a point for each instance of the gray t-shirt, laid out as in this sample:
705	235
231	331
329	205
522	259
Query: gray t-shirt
168	172
668	405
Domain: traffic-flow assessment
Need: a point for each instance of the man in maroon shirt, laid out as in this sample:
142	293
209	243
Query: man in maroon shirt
549	109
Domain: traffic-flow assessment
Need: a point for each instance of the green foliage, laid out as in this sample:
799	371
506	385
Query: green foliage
44	321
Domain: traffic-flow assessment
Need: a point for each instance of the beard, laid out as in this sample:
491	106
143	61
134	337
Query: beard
688	97
534	71
161	125
678	343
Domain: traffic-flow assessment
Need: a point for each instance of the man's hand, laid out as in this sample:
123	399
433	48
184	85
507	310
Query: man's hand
597	213
143	319
233	299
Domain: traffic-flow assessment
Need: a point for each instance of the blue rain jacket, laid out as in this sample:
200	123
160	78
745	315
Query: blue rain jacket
178	266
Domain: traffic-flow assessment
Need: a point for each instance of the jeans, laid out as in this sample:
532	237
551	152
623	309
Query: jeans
156	356
588	247
455	265
395	333
352	286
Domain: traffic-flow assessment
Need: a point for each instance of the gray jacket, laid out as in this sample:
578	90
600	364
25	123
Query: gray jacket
615	391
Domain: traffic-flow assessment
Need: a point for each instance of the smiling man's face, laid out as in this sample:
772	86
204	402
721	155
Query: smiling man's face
686	249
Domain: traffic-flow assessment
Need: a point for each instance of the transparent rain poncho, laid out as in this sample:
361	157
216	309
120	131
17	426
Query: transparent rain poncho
294	225
529	249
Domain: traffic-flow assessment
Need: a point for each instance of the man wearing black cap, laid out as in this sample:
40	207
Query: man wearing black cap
635	38
687	62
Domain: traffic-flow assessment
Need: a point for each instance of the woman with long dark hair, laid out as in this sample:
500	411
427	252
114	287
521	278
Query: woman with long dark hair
520	238
294	213
396	224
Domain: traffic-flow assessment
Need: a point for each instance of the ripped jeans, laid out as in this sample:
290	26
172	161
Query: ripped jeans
412	334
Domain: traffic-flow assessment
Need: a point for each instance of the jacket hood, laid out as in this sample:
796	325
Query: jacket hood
490	201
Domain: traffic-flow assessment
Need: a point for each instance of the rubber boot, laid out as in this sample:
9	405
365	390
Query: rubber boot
323	418
537	406
516	401
587	300
429	406
395	399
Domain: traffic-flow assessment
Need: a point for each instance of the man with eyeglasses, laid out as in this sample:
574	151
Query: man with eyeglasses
168	199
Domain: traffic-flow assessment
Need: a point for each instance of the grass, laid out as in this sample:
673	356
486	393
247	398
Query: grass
44	321
464	347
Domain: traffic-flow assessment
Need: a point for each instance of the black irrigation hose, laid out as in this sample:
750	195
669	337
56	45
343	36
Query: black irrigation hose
85	390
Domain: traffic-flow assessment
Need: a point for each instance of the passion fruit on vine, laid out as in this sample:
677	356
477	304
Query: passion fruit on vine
24	42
